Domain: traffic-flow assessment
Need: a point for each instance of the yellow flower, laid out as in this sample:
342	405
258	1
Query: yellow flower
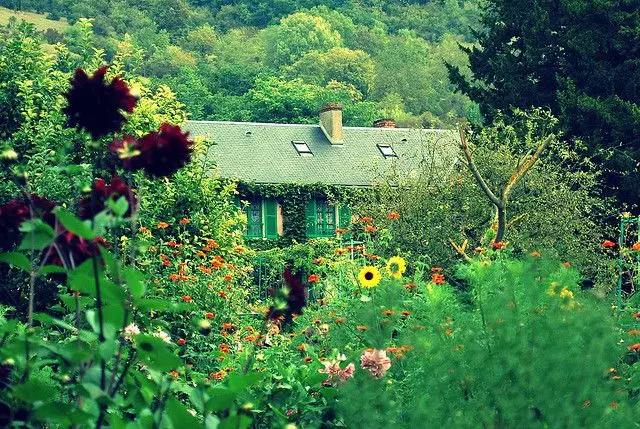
369	276
396	266
566	293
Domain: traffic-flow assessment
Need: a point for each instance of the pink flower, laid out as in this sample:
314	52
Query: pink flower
376	362
336	375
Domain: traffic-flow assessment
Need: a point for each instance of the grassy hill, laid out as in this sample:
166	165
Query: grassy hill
40	21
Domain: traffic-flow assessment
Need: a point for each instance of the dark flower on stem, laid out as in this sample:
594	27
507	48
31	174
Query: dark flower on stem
16	211
293	299
96	105
71	250
101	192
160	153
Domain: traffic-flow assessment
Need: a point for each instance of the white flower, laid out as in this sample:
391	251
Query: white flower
163	336
131	330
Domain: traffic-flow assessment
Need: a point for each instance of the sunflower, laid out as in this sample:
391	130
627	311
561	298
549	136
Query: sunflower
369	276
396	266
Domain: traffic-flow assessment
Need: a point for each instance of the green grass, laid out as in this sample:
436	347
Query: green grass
40	21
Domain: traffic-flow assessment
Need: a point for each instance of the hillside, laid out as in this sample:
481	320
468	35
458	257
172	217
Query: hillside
39	20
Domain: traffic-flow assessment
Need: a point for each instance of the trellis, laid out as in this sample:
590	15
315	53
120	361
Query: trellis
628	262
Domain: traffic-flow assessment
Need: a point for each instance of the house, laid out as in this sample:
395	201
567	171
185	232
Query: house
316	158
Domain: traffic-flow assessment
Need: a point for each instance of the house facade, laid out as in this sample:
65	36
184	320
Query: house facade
268	159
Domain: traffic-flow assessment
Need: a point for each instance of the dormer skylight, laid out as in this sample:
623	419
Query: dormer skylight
302	147
387	151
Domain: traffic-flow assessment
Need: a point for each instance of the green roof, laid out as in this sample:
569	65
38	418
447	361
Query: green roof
264	153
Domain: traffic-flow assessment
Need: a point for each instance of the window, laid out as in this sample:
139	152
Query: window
387	151
302	148
262	218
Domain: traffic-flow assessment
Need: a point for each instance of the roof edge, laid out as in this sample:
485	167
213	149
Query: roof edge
442	130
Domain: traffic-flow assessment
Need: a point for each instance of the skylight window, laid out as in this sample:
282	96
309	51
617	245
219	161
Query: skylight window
302	148
387	151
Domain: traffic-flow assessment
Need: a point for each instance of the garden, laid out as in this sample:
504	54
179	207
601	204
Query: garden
498	294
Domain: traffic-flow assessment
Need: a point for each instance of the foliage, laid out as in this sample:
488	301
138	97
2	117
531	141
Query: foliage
574	57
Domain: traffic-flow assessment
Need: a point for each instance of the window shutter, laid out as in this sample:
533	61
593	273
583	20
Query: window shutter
311	218
330	220
271	218
254	218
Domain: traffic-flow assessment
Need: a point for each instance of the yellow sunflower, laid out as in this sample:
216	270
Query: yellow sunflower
396	266
369	276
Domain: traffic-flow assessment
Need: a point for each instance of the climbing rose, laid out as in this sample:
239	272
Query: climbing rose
159	153
101	191
96	105
376	362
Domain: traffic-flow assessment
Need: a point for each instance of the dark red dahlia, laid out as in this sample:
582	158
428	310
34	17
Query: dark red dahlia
293	300
96	105
101	192
159	153
71	250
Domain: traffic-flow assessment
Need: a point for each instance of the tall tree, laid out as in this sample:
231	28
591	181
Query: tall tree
581	59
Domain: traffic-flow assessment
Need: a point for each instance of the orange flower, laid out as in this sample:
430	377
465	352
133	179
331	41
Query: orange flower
405	313
319	261
201	254
213	244
535	254
239	249
302	347
370	229
341	230
308	359
143	230
224	348
636	246
219	375
435	270
498	245
217	264
173	373
186	298
608	244
204	270
566	264
174	277
340	320
173	243
410	286
184	221
362	328
393	216
341	251
181	342
388	312
613	405
250	338
228	326
228	278
222	294
634	347
209	315
313	278
162	225
366	219
437	279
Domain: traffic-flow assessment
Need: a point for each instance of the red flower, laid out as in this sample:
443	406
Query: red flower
224	348
96	105
209	315
101	192
184	221
437	278
313	278
370	229
181	342
498	245
608	244
366	219
159	153
228	278
393	216
186	298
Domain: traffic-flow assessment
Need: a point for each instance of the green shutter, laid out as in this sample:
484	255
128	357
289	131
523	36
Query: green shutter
271	218
310	213
330	220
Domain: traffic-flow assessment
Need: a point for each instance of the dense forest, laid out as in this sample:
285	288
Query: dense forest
279	61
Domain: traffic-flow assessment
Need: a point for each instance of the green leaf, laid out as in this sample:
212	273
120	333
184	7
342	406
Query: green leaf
16	260
119	207
235	422
238	382
155	353
135	281
33	390
73	224
51	269
38	235
220	399
179	416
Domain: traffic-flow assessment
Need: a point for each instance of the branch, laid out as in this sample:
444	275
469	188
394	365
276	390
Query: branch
522	169
461	250
476	173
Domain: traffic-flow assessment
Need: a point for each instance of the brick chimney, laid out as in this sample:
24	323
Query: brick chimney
331	122
385	123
